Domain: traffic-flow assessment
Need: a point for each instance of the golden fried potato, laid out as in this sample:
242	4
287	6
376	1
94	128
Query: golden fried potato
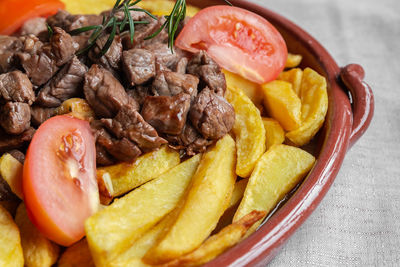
207	198
38	250
277	172
249	131
76	107
293	60
238	192
293	76
164	7
115	228
11	171
127	176
314	105
282	104
218	243
88	6
77	255
10	241
106	189
274	132
251	89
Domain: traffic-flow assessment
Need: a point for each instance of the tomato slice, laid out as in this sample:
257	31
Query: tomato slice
59	178
238	40
14	13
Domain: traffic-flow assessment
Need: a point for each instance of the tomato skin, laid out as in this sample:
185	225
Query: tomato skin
14	13
59	179
238	40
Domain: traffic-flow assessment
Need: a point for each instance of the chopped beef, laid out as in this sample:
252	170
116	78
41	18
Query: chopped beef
138	65
67	83
36	26
9	142
5	191
139	93
208	71
167	113
15	117
63	47
211	114
112	58
104	92
41	114
18	155
130	124
69	22
168	83
103	158
16	86
181	65
9	46
163	54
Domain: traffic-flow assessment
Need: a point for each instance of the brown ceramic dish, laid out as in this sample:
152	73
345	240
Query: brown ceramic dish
346	121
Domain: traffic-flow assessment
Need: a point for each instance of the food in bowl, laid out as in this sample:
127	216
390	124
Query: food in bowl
162	119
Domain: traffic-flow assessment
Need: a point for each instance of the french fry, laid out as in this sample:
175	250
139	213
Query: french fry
293	60
127	176
314	105
282	104
218	243
274	132
276	173
76	107
115	228
207	197
11	171
164	7
249	131
38	250
88	6
293	76
10	241
77	255
106	189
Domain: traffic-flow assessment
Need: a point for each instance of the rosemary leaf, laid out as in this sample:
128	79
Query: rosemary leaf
131	24
84	29
110	39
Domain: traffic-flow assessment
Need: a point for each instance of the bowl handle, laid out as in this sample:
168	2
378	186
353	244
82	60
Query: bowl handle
352	76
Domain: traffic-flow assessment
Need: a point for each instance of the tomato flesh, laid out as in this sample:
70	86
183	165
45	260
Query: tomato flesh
238	40
59	179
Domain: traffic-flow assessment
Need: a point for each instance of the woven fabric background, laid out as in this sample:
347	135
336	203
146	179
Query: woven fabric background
358	222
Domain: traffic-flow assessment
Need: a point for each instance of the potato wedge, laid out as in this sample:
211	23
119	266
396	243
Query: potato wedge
280	169
38	250
127	176
164	7
114	229
207	197
249	131
293	60
76	107
293	76
10	241
238	191
88	6
314	106
274	132
282	104
251	89
11	171
218	243
77	255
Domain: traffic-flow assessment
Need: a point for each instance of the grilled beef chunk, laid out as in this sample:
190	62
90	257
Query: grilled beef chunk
15	117
212	115
103	158
130	124
168	83
5	191
18	155
69	22
112	58
139	93
67	83
208	71
139	66
40	115
181	65
104	92
9	142
35	26
9	45
15	86
163	54
167	113
63	47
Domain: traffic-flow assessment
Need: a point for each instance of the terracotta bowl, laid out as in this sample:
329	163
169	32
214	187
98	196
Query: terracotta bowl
351	107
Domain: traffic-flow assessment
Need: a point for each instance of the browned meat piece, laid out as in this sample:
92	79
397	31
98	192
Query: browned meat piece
139	93
16	86
181	65
9	45
130	124
168	83
139	66
15	117
9	142
112	59
104	92
63	47
164	55
36	26
208	71
103	158
18	155
69	22
5	191
167	113
211	114
67	83
40	115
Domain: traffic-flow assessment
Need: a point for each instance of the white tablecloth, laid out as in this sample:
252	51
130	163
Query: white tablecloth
358	222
